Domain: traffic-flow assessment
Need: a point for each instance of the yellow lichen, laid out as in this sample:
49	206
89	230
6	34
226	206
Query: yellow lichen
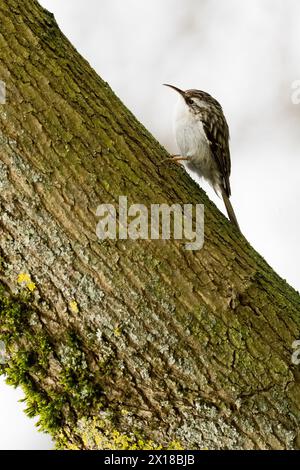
117	331
73	306
31	286
98	434
175	445
25	279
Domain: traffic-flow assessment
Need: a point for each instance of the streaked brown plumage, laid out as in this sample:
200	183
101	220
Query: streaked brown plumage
202	136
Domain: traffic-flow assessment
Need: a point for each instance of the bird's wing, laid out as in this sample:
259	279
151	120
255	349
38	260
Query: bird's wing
217	133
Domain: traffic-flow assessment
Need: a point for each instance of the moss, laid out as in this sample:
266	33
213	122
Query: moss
15	311
28	353
49	409
29	350
76	379
17	370
44	348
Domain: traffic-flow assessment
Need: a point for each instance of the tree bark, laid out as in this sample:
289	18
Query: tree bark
123	343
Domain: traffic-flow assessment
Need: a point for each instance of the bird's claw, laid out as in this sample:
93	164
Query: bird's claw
175	159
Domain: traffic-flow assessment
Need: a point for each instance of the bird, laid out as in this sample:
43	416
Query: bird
202	135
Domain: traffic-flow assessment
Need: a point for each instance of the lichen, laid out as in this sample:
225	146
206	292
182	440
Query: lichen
25	280
73	306
100	434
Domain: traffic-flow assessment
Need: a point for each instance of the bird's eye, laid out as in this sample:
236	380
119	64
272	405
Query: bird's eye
189	101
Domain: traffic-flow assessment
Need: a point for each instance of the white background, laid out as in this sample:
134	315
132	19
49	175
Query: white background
246	54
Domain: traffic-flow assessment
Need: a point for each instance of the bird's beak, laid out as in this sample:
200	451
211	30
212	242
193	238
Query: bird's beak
181	92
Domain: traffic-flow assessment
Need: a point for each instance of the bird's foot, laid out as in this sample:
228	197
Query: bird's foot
175	159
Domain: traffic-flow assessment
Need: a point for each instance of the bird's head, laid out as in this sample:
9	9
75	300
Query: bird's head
195	98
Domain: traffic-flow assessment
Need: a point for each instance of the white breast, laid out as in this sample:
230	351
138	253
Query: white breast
189	132
192	142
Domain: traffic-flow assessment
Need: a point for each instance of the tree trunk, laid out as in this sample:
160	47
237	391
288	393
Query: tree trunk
121	343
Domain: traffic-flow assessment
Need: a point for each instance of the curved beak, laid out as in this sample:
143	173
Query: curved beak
175	88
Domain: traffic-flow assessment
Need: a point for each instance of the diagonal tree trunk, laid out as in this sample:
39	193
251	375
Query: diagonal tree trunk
122	343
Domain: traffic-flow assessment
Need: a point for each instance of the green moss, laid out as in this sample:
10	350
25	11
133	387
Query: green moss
48	408
29	350
76	379
15	312
44	348
17	370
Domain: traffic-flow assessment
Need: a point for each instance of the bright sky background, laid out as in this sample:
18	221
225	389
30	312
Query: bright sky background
246	54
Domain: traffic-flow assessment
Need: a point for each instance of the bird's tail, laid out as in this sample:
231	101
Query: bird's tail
230	210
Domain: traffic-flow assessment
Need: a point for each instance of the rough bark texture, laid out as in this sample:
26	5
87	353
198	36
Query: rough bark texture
125	344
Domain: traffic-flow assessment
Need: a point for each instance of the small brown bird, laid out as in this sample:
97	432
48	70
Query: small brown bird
202	136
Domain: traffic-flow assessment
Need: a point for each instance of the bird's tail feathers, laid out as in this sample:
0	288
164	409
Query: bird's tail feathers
230	211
